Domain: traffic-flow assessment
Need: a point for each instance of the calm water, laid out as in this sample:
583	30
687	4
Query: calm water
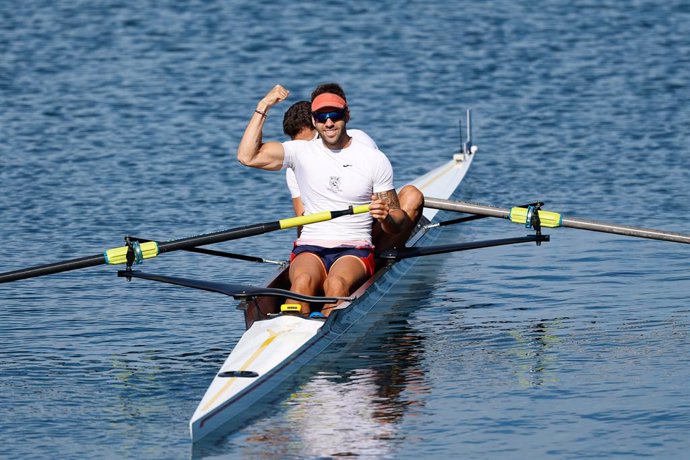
118	118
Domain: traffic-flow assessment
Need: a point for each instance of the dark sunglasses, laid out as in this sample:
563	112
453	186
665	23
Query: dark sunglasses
335	115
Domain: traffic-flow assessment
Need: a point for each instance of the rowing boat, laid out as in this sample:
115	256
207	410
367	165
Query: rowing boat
275	346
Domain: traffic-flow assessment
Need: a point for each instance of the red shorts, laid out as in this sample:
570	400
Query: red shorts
328	256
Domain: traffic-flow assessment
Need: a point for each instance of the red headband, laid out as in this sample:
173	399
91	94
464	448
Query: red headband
328	100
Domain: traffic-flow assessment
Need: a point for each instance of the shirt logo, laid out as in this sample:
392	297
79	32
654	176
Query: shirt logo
334	184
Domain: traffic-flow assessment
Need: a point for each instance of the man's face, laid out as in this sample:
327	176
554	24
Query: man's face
330	124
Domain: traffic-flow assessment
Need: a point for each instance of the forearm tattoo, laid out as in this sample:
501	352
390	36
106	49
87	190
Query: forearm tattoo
389	197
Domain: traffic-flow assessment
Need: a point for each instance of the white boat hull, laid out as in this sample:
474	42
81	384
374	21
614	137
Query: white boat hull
272	350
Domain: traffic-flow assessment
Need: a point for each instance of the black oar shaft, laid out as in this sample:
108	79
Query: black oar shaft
99	259
218	237
491	211
186	243
49	269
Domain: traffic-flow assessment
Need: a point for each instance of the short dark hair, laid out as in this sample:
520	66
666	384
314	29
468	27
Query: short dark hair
296	118
331	87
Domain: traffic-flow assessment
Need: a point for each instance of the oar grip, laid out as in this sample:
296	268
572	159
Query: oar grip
361	209
321	216
292	222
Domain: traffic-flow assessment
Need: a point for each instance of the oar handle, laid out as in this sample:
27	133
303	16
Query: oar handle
552	219
258	229
299	221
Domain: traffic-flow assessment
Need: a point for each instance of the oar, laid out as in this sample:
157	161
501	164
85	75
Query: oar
151	249
552	220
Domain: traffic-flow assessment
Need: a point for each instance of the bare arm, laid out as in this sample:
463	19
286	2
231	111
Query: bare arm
252	151
385	207
298	206
299	211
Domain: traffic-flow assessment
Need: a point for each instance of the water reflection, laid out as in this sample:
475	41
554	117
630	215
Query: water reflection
353	405
534	350
344	417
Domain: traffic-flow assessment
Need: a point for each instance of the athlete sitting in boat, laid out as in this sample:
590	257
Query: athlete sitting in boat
297	124
333	171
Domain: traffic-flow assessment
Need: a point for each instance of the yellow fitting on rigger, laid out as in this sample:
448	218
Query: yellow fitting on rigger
119	255
294	307
547	218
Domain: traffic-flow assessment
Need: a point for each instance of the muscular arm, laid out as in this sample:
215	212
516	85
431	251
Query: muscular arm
385	207
252	151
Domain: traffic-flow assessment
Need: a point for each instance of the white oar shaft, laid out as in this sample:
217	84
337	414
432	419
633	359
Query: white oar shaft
626	230
469	208
491	211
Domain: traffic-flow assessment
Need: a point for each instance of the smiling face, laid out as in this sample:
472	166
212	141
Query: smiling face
330	123
330	115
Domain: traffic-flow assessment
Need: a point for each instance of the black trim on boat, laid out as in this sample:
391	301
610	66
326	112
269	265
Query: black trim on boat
237	291
242	374
406	253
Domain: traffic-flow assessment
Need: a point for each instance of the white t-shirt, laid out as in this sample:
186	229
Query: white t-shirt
355	134
333	180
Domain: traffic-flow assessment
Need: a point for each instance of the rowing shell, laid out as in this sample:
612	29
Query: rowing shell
274	347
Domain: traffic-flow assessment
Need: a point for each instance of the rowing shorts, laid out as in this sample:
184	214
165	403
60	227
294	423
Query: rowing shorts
328	256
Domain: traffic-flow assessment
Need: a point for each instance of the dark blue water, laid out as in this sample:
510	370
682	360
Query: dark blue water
122	118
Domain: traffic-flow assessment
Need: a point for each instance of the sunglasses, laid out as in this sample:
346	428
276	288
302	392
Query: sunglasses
335	115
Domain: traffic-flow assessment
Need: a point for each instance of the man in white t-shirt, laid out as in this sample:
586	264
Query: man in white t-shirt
297	125
333	171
